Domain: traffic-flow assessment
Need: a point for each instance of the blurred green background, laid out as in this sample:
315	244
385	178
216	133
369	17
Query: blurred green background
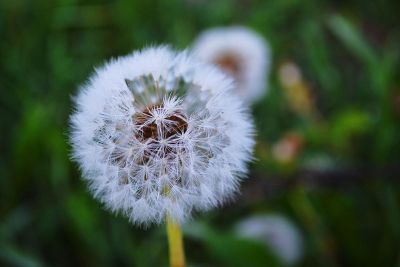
328	152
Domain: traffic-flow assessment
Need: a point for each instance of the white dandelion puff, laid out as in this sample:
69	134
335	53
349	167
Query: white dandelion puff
241	53
277	233
157	133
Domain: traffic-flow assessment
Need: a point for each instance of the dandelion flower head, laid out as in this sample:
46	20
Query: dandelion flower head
157	133
241	53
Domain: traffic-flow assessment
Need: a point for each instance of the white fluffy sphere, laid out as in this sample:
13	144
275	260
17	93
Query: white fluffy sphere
241	53
158	133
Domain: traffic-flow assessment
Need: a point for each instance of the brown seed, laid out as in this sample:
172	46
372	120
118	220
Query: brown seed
148	131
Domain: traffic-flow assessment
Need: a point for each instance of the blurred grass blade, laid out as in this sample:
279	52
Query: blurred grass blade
10	256
16	221
352	39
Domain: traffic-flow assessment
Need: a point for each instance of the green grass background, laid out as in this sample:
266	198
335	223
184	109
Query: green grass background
347	207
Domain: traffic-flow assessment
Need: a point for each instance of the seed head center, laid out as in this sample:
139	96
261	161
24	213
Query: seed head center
165	128
229	63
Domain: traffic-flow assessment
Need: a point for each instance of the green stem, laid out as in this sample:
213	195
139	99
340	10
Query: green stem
175	242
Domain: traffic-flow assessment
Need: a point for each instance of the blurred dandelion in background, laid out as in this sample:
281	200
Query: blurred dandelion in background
241	53
276	232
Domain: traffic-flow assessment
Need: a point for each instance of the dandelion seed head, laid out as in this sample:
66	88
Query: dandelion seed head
157	133
239	52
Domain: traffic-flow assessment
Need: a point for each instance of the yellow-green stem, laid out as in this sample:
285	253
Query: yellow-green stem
175	242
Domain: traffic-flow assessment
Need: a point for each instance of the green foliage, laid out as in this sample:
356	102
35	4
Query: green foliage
340	188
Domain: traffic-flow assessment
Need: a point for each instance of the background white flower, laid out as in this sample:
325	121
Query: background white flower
277	233
157	133
241	53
